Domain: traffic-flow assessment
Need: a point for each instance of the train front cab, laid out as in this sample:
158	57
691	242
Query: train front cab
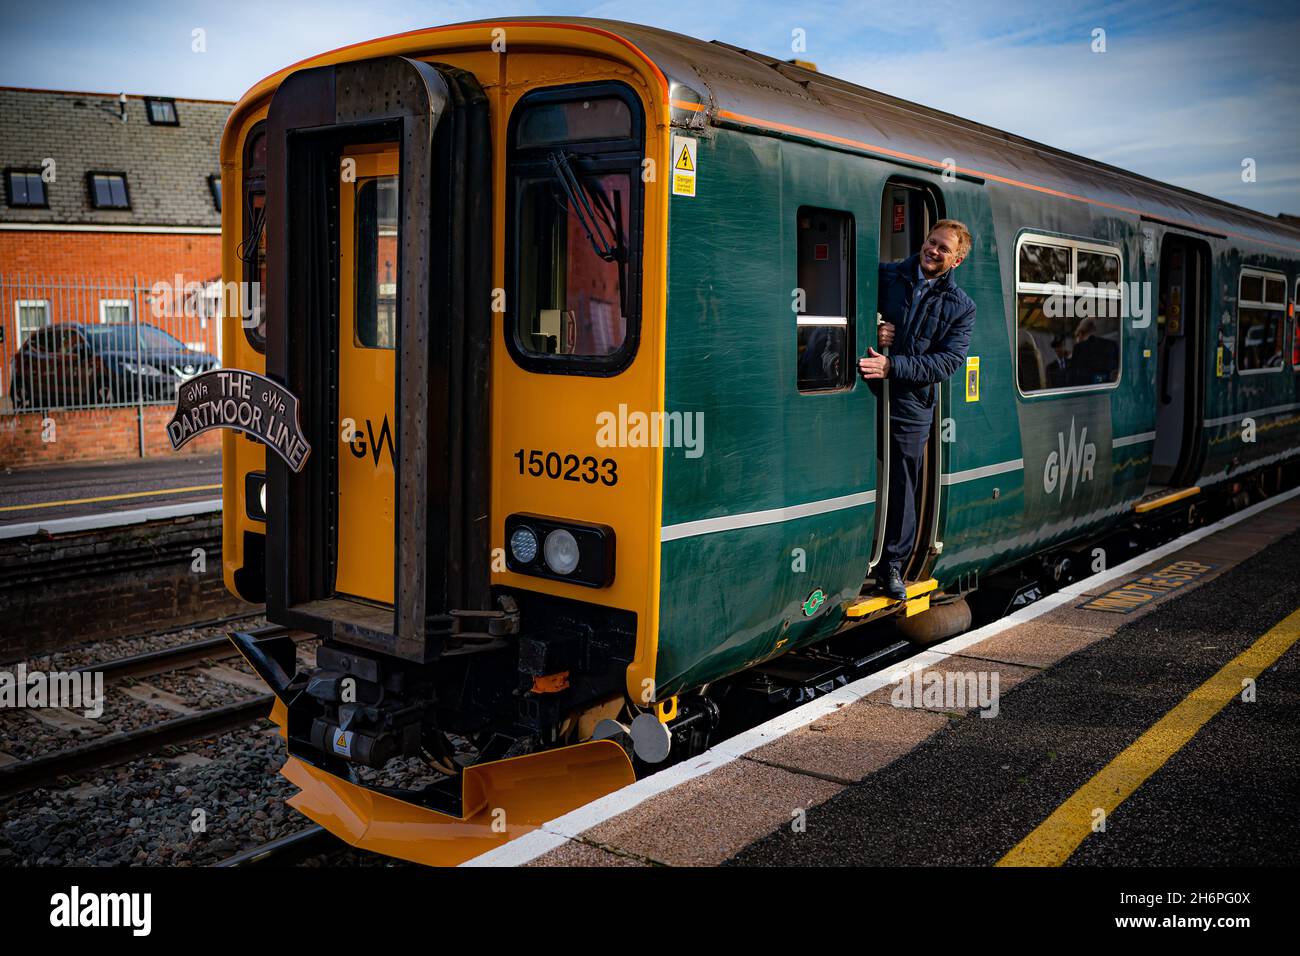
452	338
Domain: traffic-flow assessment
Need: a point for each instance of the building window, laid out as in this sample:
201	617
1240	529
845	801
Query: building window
1261	321
25	188
1068	315
575	191
108	190
114	311
824	254
162	112
214	185
30	315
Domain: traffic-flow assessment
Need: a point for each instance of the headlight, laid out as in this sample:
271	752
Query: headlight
576	552
148	371
561	551
255	495
523	545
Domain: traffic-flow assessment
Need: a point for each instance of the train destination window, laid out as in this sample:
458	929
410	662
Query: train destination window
576	195
574	121
376	245
1261	321
25	188
824	254
1068	315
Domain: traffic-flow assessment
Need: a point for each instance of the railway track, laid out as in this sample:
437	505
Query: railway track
123	746
286	850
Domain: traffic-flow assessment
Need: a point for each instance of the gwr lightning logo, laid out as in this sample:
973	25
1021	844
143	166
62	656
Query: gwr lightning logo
1072	459
358	441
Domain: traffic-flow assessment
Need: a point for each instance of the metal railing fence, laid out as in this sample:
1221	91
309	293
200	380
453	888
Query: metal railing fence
82	343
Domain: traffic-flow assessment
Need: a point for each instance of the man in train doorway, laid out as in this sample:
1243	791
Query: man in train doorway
926	326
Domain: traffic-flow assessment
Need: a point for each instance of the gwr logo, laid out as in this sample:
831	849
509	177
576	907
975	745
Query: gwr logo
1072	459
368	440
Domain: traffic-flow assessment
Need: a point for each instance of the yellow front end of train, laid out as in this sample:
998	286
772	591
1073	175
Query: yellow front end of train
451	244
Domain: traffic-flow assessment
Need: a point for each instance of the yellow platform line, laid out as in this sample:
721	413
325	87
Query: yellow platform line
1144	506
90	501
1057	837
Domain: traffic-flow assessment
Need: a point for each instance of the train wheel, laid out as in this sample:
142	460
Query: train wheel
939	623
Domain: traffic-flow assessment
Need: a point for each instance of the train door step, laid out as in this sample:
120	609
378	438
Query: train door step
804	670
1159	498
918	600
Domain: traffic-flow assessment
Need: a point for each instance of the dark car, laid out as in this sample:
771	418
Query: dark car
77	363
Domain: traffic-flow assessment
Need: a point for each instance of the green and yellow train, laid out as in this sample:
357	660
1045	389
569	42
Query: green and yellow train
570	311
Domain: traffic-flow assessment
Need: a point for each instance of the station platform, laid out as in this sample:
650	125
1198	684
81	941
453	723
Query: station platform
100	494
1149	715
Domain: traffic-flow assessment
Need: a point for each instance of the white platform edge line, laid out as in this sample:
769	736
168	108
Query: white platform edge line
557	832
110	519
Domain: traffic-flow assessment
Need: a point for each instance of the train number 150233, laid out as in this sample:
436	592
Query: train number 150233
552	464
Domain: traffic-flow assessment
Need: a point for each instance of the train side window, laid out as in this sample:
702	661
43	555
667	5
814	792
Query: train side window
1068	315
376	268
1261	321
576	197
824	327
252	248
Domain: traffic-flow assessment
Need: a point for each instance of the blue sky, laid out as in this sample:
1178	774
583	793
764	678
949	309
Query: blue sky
1184	92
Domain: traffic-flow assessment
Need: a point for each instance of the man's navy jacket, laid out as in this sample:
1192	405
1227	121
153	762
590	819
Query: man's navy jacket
929	348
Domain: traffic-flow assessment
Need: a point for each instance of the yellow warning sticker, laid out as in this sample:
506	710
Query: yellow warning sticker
684	166
972	378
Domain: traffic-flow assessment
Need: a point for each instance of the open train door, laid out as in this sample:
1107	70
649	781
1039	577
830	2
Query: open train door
1178	450
909	209
378	216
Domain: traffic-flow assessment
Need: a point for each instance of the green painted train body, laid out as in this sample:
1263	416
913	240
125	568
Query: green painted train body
782	502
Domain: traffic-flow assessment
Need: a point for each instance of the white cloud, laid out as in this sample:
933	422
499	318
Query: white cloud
1184	109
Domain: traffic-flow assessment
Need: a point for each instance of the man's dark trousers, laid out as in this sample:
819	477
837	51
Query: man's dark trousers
906	458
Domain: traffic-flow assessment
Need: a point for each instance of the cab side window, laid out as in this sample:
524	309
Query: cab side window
575	222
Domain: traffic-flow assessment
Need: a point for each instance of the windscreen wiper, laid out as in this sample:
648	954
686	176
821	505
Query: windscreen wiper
610	249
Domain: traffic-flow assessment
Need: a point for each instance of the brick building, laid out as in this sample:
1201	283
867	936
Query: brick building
105	196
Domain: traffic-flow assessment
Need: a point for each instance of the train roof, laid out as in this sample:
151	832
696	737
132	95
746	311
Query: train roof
743	88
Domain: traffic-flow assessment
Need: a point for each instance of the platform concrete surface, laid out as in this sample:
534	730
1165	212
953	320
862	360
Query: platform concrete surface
94	488
1114	741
